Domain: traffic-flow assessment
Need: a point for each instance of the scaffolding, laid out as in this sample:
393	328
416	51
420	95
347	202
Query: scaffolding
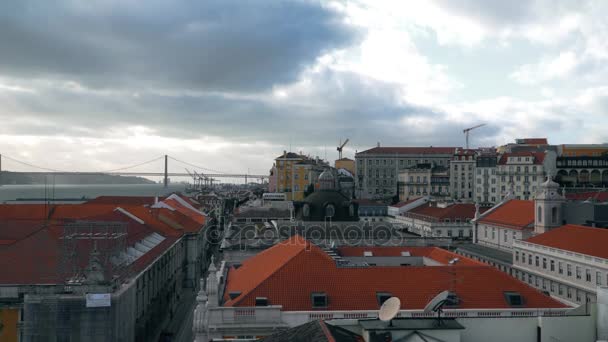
93	253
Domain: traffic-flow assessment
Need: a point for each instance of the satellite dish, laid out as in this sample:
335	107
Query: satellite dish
437	303
389	309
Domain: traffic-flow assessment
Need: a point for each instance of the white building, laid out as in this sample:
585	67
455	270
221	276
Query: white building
462	173
504	223
569	262
440	219
522	173
487	191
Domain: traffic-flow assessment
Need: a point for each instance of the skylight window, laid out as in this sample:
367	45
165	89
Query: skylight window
514	299
319	300
383	297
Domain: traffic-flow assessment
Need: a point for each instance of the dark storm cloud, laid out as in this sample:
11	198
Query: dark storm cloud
216	44
334	104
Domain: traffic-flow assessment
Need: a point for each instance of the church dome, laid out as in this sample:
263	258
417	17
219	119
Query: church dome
327	181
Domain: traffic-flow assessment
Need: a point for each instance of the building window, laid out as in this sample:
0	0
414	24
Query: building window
560	290
530	259
544	263
540	214
514	299
588	275
554	215
552	266
569	270
560	268
516	255
578	273
598	278
537	263
382	297
569	292
319	300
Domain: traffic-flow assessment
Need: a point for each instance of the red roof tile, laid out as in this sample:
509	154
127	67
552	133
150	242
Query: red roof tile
462	211
534	141
514	214
409	150
599	196
288	273
539	157
35	259
574	238
124	200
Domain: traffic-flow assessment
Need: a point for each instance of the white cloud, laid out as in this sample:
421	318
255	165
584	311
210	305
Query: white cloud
547	69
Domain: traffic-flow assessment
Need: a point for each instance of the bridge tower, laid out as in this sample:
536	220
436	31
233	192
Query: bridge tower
166	180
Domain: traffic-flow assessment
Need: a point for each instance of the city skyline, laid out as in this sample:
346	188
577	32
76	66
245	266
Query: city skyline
104	84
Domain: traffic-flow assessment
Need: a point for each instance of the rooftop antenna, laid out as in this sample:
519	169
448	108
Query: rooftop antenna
436	305
389	310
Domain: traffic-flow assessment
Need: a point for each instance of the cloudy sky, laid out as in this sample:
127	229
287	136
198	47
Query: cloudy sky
100	84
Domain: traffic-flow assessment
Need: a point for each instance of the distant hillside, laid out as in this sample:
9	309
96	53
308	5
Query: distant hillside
15	178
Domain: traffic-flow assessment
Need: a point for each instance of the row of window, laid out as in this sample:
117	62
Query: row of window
583	162
402	162
558	268
555	288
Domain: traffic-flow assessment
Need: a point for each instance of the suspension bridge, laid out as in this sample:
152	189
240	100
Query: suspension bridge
199	173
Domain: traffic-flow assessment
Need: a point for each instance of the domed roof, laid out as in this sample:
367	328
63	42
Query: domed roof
320	198
327	180
326	176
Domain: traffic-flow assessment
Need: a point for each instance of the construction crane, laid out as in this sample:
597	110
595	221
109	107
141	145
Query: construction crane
341	147
467	130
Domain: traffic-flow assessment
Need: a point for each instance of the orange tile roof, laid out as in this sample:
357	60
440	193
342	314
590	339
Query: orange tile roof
288	273
409	150
35	259
539	157
461	211
514	214
195	215
124	200
579	239
599	196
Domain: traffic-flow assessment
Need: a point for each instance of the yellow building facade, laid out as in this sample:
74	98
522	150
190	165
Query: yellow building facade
294	174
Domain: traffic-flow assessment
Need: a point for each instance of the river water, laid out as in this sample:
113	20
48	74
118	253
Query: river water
66	192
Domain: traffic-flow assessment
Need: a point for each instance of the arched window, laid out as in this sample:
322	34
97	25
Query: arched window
539	214
554	215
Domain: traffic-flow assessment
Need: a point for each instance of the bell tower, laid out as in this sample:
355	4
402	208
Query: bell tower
548	207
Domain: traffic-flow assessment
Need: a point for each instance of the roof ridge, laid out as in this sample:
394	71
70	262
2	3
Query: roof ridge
306	244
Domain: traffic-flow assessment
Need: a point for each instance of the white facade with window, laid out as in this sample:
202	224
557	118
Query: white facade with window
567	275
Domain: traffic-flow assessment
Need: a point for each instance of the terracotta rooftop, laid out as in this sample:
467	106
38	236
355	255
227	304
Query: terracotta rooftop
539	157
36	258
124	200
462	211
533	141
409	150
598	196
514	214
574	238
290	272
